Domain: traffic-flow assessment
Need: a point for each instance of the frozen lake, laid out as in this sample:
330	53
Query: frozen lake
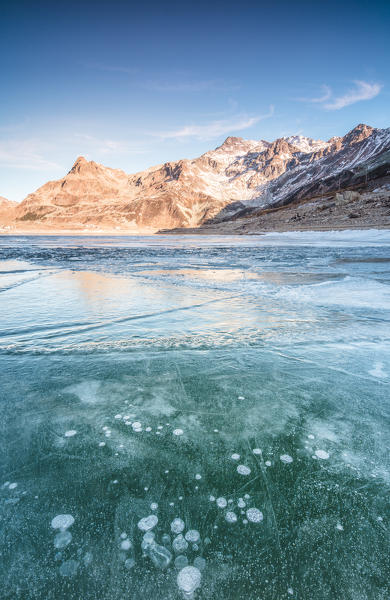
197	418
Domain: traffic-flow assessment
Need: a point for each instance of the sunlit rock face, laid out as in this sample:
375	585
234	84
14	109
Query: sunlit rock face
7	211
187	193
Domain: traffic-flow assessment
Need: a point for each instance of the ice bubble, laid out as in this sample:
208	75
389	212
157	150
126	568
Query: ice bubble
198	476
147	523
12	486
159	426
118	417
166	539
129	563
178	432
154	506
245	521
254	515
231	517
69	568
241	503
200	563
268	463
136	425
148	429
70	433
123	536
181	561
159	555
101	444
126	545
286	458
149	537
243	470
310	436
62	521
241	397
177	525
62	539
235	456
322	454
180	497
179	544
192	535
212	498
221	502
6	483
290	591
247	496
216	430
189	579
339	527
256	451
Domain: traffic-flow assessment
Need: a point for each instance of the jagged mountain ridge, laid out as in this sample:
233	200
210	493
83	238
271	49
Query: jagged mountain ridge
186	193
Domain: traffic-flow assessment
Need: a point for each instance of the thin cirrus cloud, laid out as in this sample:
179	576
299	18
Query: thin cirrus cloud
326	94
25	154
363	90
215	129
193	86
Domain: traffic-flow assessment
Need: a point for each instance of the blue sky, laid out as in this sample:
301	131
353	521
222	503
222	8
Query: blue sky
135	86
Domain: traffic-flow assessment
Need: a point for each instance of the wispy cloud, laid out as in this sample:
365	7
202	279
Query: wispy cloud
25	154
362	91
215	129
192	86
327	92
111	68
103	146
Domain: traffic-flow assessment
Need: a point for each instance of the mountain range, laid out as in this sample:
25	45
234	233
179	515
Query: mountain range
236	180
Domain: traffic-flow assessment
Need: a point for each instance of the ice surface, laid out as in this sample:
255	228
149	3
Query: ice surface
176	358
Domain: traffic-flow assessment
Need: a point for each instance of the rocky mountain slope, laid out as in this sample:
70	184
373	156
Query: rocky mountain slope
7	211
230	182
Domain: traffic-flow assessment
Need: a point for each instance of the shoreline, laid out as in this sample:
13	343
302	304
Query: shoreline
202	231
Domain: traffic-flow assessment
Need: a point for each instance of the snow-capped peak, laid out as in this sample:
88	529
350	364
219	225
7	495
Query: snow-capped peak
305	144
